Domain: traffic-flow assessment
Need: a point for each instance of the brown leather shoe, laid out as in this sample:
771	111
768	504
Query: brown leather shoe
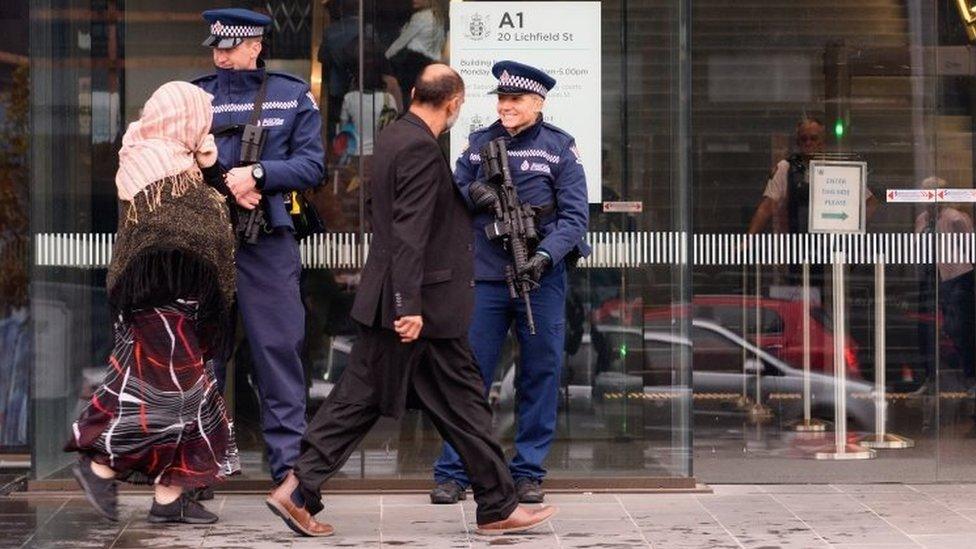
521	519
297	518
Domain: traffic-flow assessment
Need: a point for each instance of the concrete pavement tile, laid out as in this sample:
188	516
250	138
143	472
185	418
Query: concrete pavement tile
841	519
432	542
946	541
680	522
337	540
923	517
735	489
798	489
912	545
873	488
592	498
756	521
164	535
621	526
621	541
516	541
595	511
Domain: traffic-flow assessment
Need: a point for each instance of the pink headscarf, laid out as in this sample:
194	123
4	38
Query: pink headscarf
173	126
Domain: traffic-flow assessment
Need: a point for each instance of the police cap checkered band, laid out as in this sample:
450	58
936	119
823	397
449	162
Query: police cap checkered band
235	31
519	78
508	81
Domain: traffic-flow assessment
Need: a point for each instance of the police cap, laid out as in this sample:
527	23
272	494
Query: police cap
231	26
516	78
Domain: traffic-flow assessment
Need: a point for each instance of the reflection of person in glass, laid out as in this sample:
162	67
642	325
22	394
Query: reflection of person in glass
956	293
548	174
412	310
419	44
170	284
788	186
339	54
268	270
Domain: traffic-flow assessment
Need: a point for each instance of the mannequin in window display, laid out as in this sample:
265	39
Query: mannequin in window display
420	43
956	297
547	173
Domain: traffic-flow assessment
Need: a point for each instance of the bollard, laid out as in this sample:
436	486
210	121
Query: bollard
841	449
881	438
808	425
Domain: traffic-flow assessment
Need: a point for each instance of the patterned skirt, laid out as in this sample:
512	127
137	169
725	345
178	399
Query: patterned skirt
158	417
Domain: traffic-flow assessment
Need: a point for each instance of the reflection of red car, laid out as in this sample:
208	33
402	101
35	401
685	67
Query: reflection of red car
780	326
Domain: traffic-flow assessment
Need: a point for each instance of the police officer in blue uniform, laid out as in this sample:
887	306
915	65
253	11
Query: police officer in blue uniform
548	174
268	270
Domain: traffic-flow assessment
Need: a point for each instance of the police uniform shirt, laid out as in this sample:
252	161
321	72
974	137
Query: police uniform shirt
293	157
547	172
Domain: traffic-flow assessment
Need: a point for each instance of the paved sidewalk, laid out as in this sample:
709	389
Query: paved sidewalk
862	516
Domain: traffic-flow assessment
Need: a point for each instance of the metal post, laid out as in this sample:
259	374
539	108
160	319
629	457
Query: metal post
840	448
881	439
808	425
758	411
743	400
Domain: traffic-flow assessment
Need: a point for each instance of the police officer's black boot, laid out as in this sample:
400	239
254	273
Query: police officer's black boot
447	492
529	490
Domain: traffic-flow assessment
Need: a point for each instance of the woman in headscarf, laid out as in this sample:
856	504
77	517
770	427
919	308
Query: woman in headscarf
158	417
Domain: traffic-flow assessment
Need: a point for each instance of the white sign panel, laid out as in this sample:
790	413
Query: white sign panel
910	195
561	38
955	195
837	192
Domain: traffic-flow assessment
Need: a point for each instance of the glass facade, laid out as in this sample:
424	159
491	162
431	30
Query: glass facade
690	351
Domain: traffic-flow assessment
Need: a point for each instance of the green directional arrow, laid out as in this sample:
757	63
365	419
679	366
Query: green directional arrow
842	216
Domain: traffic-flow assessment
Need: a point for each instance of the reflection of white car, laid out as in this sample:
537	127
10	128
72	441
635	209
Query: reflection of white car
644	361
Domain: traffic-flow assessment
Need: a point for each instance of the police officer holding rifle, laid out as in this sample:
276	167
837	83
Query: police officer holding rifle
525	179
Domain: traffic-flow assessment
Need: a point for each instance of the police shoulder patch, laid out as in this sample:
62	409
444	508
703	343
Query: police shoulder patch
311	98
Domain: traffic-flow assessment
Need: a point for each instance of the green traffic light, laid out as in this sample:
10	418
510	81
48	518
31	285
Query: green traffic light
839	129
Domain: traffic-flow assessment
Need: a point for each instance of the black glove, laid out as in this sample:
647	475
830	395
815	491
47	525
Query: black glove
483	195
535	266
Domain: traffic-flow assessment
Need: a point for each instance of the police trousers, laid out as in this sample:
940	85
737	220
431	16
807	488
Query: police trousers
270	303
443	381
540	367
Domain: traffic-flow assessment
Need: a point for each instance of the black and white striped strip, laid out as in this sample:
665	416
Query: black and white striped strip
611	249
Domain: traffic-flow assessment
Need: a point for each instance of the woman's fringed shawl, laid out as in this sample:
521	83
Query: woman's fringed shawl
175	242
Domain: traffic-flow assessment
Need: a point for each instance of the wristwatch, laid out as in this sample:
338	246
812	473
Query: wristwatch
257	172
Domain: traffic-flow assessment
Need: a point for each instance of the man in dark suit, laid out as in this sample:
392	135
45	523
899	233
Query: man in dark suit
413	307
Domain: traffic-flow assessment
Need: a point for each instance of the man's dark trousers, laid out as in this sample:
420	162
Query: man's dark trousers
443	381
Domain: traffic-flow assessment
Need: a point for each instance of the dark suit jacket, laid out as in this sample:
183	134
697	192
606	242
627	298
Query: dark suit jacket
421	259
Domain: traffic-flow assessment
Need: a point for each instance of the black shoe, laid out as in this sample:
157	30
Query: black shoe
529	490
102	493
183	509
447	492
203	493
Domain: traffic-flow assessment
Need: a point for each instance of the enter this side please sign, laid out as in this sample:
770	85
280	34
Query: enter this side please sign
837	193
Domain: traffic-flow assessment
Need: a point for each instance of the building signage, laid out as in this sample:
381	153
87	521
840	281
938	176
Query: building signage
910	195
561	38
930	195
837	193
623	207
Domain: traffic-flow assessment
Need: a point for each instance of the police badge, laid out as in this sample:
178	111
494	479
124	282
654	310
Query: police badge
478	28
